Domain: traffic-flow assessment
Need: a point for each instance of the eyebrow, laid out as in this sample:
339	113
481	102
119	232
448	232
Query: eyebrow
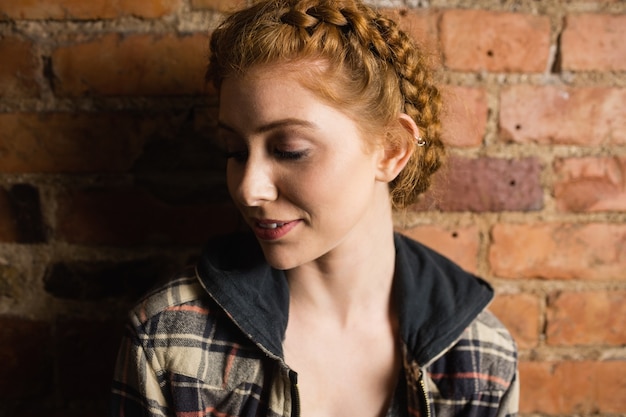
271	126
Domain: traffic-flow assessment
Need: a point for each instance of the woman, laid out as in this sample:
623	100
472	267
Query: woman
329	118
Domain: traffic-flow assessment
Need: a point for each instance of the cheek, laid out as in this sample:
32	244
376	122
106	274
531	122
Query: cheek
324	185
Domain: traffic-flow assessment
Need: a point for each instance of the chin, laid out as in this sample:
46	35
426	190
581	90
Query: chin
281	261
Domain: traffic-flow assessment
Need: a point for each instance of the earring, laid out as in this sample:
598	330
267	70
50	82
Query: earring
420	141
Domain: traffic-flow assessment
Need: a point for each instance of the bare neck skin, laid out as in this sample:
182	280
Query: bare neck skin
342	332
352	280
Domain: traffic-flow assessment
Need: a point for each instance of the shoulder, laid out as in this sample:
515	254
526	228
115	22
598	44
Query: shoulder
483	359
181	343
182	290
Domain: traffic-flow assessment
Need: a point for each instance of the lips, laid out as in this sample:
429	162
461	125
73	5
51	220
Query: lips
272	229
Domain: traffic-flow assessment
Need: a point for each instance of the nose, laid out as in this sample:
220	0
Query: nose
251	183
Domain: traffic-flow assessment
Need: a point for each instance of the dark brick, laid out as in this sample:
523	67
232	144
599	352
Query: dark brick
100	280
130	216
486	185
18	68
26	371
8	226
84	141
86	352
21	220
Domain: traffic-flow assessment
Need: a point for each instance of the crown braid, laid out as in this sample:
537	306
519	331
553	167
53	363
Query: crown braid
374	68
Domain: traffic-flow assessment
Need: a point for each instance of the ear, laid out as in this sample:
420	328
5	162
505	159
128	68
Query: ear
397	151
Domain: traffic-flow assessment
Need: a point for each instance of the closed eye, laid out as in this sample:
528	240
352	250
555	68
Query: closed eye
290	155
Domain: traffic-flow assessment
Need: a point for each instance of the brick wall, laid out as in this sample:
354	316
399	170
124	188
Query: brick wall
108	182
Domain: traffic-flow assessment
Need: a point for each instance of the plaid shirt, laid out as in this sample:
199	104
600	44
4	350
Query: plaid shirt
209	343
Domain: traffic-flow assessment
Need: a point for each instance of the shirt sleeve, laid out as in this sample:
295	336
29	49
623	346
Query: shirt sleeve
509	406
138	378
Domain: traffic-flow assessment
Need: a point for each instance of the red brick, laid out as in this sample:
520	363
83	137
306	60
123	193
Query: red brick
18	69
116	65
479	40
80	9
26	370
573	388
486	184
587	318
219	5
128	216
590	184
421	25
587	116
465	116
594	42
459	244
79	142
594	251
521	314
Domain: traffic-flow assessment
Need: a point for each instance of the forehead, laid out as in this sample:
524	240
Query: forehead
262	94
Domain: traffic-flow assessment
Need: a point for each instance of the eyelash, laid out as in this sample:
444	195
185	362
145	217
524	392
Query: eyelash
241	156
290	155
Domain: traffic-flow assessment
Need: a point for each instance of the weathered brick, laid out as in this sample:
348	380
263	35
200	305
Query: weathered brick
218	5
590	184
98	280
593	251
479	40
573	388
594	42
78	142
116	65
128	216
21	220
81	10
25	350
521	314
465	116
587	116
18	69
587	318
421	25
459	244
486	184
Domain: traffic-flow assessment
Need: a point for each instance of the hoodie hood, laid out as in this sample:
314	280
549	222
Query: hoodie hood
435	299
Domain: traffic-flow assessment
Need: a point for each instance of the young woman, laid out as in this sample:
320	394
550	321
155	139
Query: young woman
329	118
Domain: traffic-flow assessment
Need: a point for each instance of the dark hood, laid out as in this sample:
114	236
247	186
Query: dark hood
436	299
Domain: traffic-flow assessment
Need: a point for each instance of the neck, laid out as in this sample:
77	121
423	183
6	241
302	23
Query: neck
354	280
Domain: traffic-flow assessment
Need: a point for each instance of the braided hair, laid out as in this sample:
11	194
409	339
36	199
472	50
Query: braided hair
373	70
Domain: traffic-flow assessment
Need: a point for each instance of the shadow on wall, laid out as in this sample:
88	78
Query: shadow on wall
115	186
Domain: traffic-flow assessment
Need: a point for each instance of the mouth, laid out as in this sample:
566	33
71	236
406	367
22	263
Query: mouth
273	229
273	225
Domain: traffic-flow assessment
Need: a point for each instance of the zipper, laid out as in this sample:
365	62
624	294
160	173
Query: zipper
295	394
425	394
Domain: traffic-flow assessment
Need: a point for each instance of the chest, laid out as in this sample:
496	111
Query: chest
344	374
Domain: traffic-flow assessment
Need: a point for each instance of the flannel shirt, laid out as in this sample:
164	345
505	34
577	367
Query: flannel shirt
209	343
